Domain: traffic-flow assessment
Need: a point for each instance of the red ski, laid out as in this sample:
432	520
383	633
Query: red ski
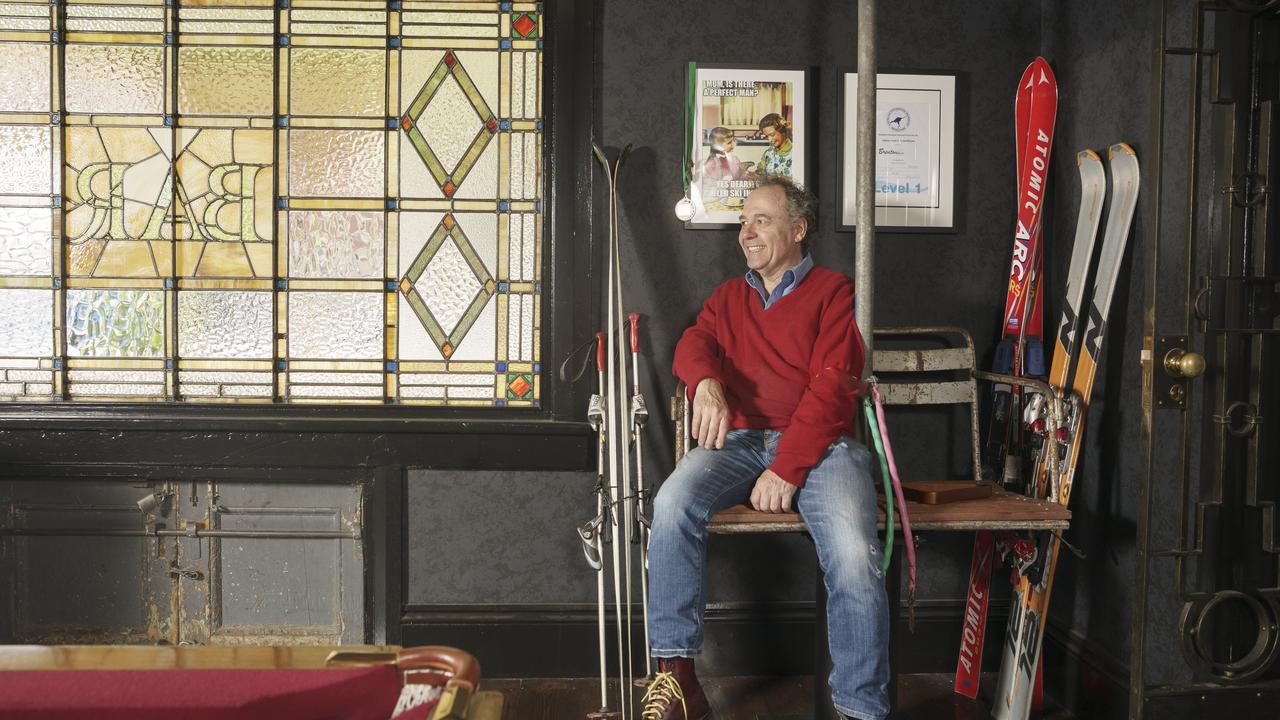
1035	110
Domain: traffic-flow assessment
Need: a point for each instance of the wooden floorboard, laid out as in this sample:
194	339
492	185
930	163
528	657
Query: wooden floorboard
920	697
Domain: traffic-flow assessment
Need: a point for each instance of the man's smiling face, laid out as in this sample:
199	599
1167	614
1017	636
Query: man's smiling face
769	241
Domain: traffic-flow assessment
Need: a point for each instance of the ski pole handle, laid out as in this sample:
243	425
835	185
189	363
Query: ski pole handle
601	340
634	318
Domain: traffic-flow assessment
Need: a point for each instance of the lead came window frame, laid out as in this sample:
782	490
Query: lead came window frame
230	307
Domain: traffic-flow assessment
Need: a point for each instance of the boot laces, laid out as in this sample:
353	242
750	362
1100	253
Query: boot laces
663	692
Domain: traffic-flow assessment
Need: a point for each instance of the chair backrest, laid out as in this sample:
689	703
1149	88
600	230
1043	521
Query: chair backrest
929	366
914	366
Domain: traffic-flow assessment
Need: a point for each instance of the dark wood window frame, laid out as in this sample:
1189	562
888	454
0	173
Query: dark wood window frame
569	314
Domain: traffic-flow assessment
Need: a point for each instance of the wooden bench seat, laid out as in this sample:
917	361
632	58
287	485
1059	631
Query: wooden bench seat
1003	510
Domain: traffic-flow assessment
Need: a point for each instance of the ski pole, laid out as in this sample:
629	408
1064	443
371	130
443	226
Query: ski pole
599	420
639	415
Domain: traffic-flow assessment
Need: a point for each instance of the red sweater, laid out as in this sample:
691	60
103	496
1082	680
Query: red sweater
793	367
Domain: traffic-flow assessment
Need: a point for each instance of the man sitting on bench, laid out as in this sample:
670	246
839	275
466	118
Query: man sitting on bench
774	359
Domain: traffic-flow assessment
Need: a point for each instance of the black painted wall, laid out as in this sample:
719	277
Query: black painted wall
1101	54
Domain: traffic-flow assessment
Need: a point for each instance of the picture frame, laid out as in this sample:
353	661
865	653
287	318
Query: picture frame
762	113
916	153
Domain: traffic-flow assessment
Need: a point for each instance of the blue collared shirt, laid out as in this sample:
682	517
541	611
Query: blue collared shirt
790	280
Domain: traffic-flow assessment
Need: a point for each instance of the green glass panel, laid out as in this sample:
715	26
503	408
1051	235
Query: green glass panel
115	323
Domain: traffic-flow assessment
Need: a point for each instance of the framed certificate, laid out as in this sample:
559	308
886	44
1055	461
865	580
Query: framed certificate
745	122
915	152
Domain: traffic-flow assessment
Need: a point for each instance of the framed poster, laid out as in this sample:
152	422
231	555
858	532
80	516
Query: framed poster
915	152
744	122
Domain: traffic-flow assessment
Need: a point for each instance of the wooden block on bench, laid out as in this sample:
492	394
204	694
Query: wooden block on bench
938	493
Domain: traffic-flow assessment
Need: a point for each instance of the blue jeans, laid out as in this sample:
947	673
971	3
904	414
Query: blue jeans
838	504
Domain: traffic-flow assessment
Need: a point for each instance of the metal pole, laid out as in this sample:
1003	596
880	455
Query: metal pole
864	241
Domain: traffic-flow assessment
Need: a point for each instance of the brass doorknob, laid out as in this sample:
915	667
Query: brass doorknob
1181	363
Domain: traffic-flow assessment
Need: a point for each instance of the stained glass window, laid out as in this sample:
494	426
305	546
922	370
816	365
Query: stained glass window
303	201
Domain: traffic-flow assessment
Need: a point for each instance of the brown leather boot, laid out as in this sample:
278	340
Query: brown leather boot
675	693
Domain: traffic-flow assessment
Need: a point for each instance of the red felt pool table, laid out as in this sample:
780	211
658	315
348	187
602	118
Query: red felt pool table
105	682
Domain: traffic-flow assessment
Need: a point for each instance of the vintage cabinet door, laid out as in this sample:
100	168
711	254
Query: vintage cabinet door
77	566
278	563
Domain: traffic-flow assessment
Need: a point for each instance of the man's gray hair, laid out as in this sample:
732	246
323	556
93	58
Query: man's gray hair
801	204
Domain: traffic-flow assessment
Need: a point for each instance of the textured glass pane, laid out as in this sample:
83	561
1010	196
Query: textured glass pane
335	325
422	392
247	390
450	123
28	375
116	376
115	79
223	377
230	13
27	327
24	10
335	390
335	244
225	80
446	379
326	81
24	83
448	286
114	25
24	241
459	31
362	16
346	29
471	392
531	165
336	163
531	86
516	172
136	12
208	27
530	246
114	390
526	327
115	323
330	378
25	157
224	324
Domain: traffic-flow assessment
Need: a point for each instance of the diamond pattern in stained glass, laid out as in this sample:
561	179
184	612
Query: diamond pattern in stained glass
449	123
447	286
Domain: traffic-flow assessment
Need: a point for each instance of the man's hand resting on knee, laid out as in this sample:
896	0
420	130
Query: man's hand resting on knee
772	494
710	414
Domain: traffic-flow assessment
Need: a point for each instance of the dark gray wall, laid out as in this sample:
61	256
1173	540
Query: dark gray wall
1101	54
922	278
